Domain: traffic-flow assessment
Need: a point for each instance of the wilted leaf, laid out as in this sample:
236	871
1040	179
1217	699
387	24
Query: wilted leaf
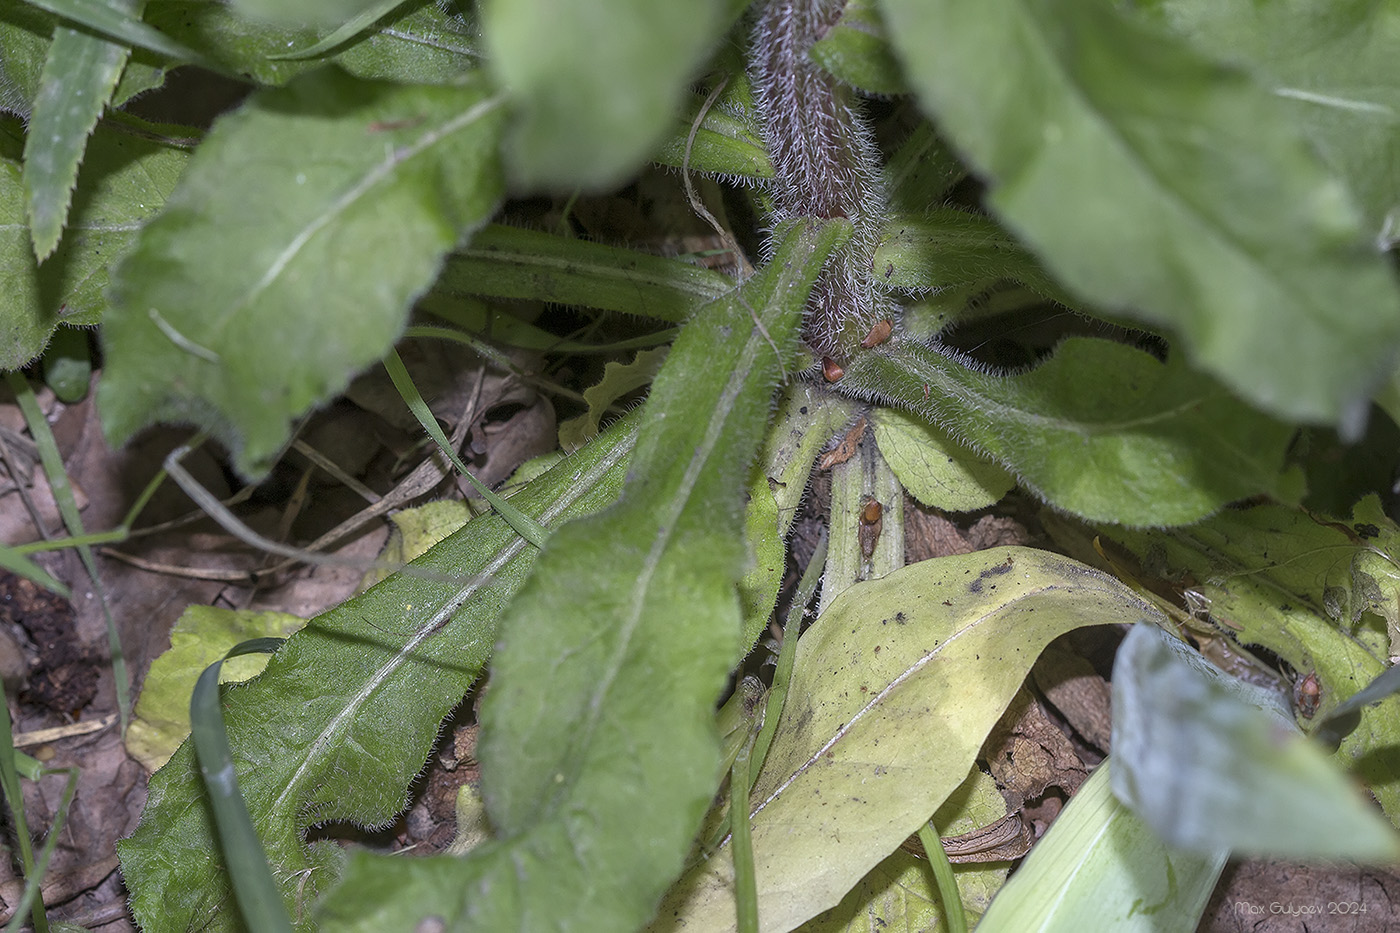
896	686
201	636
1286	580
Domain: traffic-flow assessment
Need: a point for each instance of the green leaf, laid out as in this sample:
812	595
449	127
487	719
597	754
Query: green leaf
921	172
1335	66
1293	583
898	893
934	468
67	365
201	636
125	180
421	43
596	81
726	143
1158	183
1100	867
946	247
26	35
79	77
297	12
598	745
619	380
366	17
328	205
1099	429
856	52
344	716
253	885
1213	763
121	22
873	741
507	262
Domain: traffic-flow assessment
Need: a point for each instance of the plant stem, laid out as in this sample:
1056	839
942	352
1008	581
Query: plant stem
955	920
825	166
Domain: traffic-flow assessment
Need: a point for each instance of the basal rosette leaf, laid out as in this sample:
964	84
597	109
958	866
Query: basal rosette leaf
598	747
289	255
894	690
125	180
345	714
1099	429
1161	184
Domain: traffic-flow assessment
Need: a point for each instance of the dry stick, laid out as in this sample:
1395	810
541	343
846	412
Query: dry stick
231	523
424	477
12	466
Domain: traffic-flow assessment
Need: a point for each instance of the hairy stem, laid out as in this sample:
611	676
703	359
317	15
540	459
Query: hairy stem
825	164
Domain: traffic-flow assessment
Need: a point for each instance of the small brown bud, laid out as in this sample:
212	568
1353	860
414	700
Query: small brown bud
872	512
832	370
878	334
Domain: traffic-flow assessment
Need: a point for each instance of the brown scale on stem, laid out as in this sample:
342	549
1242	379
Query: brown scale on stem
825	166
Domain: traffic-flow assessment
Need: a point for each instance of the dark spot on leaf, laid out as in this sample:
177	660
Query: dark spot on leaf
1367	530
899	618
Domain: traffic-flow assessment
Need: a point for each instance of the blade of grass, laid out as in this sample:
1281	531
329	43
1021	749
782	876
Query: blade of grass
32	890
13	560
121	25
524	526
257	893
942	869
68	507
343	33
9	782
745	884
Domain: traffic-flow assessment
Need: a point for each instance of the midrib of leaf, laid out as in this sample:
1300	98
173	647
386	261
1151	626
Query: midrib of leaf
879	697
285	806
677	505
1338	102
379	173
703	284
1209	227
966	393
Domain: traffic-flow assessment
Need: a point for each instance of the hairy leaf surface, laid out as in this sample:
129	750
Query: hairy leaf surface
126	179
507	262
423	42
596	81
80	74
895	688
344	715
1160	184
289	255
598	746
1099	429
